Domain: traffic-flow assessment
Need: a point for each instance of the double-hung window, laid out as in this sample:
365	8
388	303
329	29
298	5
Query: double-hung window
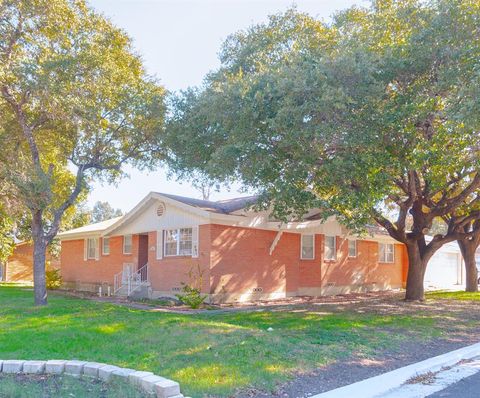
178	242
92	248
105	246
127	244
386	253
352	248
330	248
308	247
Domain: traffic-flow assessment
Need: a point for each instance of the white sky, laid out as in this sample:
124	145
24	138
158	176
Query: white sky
179	41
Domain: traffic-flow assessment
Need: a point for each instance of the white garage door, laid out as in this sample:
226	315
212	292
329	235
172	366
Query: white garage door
443	271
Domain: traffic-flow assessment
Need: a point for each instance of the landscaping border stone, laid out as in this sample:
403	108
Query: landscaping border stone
150	383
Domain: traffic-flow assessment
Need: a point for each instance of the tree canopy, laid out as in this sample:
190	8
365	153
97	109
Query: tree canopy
102	211
76	105
372	115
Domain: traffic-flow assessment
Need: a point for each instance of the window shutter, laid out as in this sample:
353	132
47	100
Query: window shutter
195	242
97	249
159	244
85	248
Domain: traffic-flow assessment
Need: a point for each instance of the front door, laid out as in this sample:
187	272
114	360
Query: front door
127	272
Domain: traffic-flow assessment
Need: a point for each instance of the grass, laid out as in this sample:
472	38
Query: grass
20	386
459	295
209	354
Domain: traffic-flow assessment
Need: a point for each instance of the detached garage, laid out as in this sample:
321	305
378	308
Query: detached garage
445	269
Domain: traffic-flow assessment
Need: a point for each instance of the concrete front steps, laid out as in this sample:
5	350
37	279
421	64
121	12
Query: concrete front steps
140	291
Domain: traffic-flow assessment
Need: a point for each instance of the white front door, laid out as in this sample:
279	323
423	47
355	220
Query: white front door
127	272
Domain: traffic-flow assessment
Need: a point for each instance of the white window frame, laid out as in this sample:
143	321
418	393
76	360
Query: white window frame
131	244
105	252
303	236
334	258
178	241
354	241
386	252
95	248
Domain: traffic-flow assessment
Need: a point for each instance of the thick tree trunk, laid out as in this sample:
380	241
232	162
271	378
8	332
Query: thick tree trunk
416	273
39	254
39	280
468	252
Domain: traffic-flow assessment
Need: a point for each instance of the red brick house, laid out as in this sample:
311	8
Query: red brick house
19	266
241	254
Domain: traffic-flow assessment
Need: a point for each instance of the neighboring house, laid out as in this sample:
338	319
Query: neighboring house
446	269
19	266
241	254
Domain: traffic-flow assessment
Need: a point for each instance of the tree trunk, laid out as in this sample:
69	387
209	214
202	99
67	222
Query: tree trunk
468	252
39	255
416	273
39	280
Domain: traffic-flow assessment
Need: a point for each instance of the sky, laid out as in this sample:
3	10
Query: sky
179	41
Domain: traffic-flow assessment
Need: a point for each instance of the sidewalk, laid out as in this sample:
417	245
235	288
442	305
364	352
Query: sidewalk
417	380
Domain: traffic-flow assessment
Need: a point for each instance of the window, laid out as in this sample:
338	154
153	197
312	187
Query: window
308	247
352	248
330	248
92	247
386	253
178	242
105	246
127	244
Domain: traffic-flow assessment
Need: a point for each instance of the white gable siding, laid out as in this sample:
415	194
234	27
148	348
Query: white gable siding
147	220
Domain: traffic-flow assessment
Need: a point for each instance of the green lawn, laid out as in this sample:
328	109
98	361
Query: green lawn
209	354
19	386
460	295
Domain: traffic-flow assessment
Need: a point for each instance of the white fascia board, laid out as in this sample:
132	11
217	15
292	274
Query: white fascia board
79	235
146	201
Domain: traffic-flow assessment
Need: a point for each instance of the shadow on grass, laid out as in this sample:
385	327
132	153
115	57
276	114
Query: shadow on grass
209	354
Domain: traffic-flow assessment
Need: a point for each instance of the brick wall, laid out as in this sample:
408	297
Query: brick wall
76	271
167	274
19	266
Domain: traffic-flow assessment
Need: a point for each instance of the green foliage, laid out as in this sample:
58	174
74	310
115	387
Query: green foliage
336	116
192	291
54	278
191	296
209	354
7	242
76	104
104	211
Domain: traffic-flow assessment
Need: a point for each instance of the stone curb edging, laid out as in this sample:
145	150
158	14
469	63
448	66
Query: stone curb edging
377	385
157	386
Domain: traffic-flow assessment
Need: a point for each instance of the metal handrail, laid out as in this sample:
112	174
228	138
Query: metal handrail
132	282
117	282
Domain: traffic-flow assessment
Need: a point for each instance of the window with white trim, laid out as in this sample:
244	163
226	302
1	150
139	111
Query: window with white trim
127	244
352	248
308	247
105	246
178	242
92	247
330	248
386	253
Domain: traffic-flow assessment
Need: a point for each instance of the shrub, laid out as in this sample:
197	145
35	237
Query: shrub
191	292
191	296
54	279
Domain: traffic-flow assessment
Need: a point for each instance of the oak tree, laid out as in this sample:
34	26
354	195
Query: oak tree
76	105
373	117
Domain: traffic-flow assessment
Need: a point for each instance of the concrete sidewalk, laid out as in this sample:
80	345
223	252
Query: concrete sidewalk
439	372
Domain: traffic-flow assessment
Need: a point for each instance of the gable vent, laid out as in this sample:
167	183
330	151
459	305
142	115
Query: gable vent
161	209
